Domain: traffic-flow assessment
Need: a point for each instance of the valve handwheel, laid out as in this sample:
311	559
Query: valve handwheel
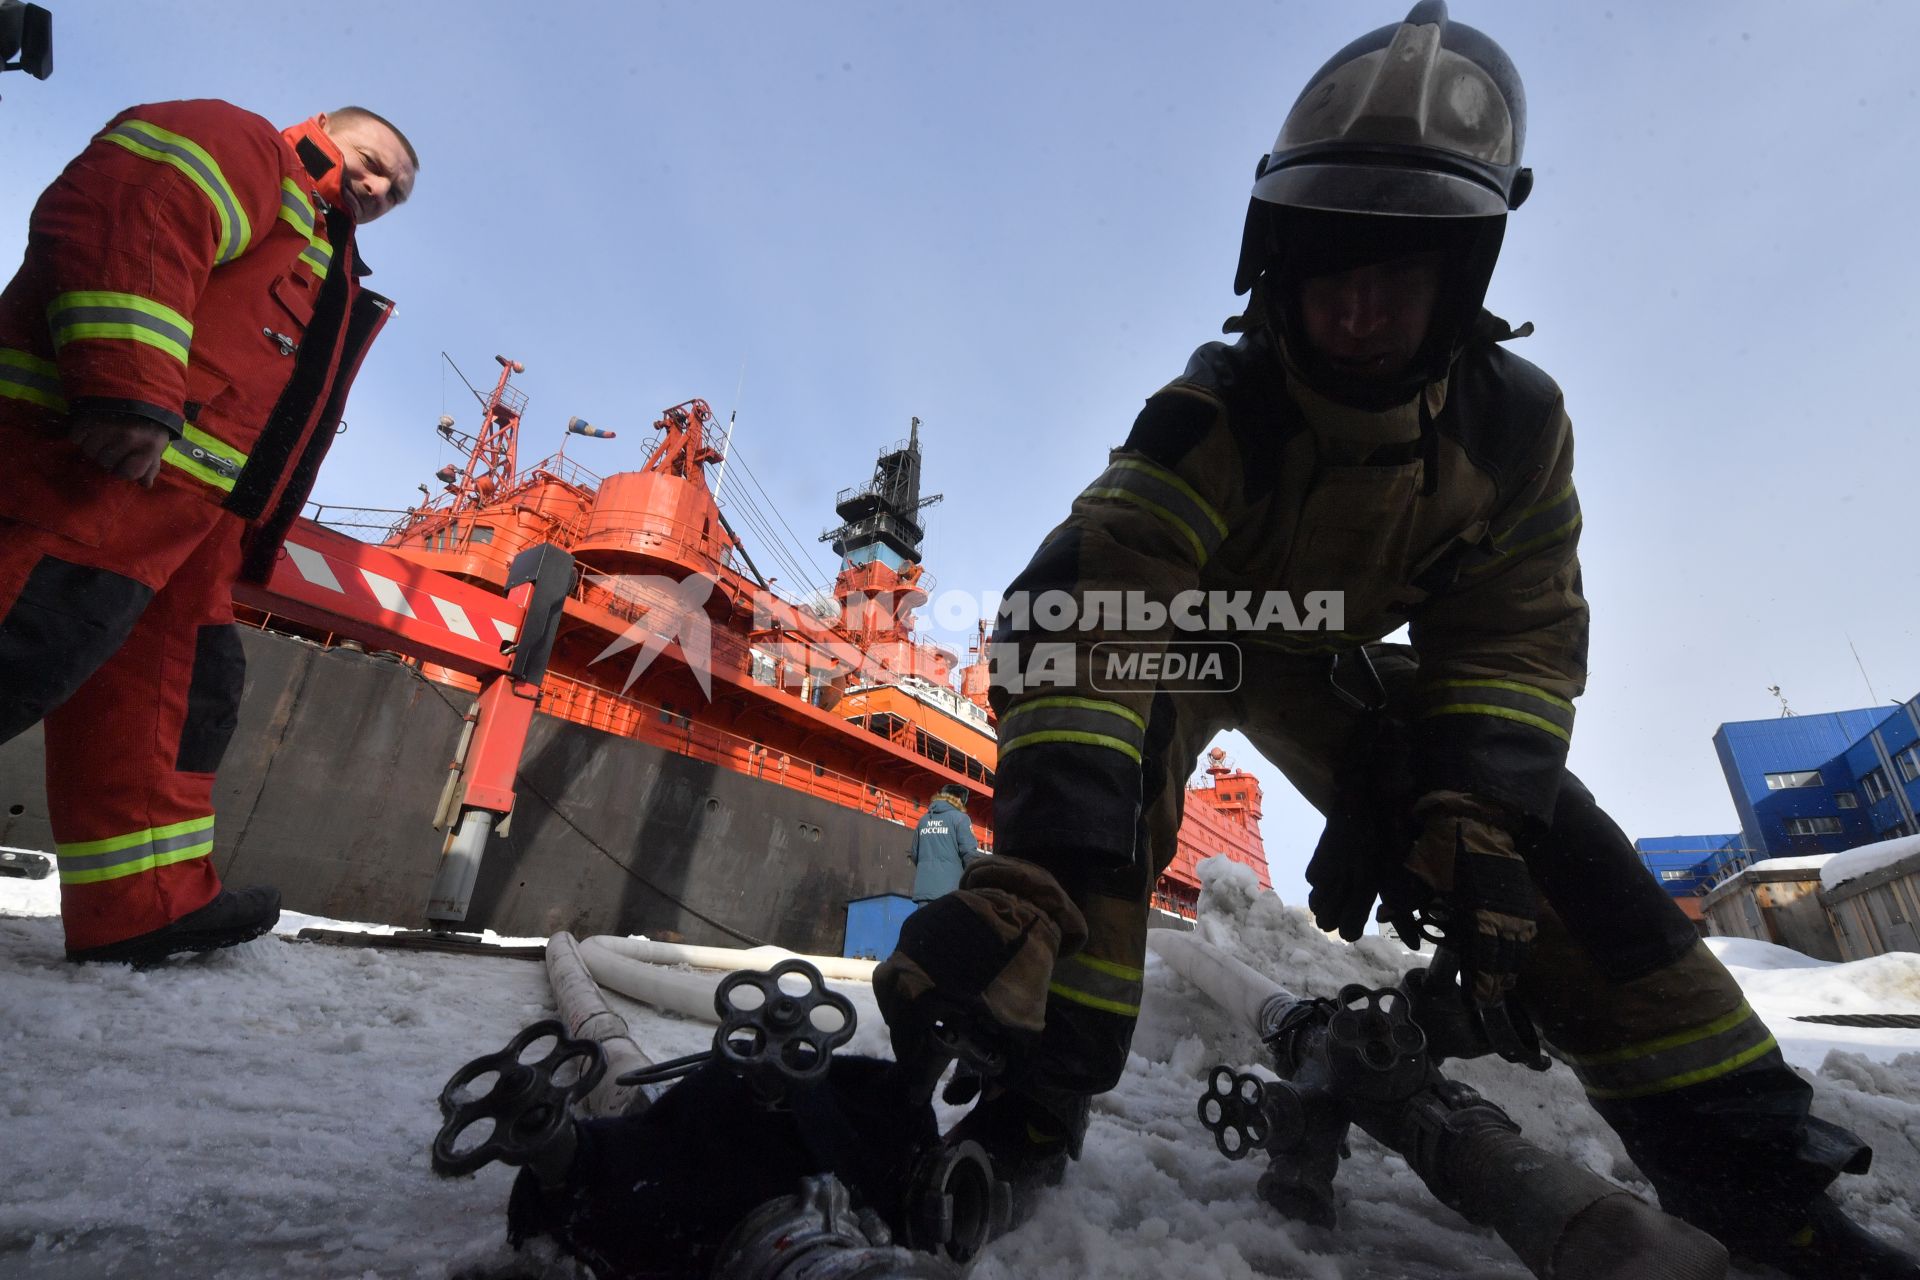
1233	1111
784	1039
527	1105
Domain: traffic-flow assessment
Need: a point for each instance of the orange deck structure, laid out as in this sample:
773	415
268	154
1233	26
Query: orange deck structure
671	636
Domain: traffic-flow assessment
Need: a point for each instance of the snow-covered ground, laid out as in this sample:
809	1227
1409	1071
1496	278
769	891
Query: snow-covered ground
265	1111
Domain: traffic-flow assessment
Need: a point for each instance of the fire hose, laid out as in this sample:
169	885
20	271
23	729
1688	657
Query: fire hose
1360	1059
777	1035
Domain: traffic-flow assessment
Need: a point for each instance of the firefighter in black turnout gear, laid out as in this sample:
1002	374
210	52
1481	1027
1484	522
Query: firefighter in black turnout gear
1369	433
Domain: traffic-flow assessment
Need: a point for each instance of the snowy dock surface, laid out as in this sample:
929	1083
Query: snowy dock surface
266	1111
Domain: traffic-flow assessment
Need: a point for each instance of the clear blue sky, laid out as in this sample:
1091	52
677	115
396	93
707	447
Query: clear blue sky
1016	221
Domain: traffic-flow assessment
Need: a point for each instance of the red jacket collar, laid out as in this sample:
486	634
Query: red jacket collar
322	159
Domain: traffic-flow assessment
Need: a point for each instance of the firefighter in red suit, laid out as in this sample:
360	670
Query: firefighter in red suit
175	354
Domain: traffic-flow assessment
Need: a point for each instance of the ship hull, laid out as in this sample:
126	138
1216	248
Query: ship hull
330	784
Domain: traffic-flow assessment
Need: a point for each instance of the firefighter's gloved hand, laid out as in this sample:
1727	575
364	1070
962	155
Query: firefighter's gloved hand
1360	860
1457	1026
1362	851
1483	896
981	956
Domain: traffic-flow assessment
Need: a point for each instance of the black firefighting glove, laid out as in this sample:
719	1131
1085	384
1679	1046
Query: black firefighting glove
1457	1026
978	961
1483	896
1363	849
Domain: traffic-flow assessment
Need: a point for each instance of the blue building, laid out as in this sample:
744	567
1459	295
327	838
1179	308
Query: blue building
1803	785
1685	865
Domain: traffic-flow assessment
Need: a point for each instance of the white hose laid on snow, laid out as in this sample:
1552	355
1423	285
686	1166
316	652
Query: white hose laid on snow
1234	985
688	994
586	1014
730	958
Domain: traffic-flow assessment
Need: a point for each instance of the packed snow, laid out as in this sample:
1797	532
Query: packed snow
266	1111
1866	860
1805	862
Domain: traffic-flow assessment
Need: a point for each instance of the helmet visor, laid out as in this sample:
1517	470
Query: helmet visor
1343	186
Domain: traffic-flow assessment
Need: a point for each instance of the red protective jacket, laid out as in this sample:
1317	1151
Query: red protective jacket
195	266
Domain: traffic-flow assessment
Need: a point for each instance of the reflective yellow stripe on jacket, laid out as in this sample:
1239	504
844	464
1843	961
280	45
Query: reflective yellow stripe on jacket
1554	520
1099	984
319	255
1671	1062
91	861
1167	498
1507	700
1088	721
295	209
189	157
103	313
205	458
27	377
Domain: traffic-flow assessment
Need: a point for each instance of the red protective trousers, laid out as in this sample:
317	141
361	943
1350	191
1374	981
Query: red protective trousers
192	268
128	651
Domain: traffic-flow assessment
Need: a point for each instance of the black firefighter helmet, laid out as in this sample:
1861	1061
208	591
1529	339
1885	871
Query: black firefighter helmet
1407	140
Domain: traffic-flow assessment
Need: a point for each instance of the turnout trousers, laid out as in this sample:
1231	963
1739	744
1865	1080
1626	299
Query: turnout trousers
1618	981
117	632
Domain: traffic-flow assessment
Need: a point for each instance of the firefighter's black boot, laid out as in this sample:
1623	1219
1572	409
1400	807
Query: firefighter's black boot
234	916
1828	1245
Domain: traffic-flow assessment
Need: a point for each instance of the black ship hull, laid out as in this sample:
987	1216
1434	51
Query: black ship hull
329	787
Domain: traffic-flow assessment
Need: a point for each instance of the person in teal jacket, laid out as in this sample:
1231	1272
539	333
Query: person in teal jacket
943	845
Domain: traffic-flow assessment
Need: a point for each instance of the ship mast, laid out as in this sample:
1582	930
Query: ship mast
492	455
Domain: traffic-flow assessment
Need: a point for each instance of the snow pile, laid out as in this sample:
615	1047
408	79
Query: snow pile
266	1111
1865	860
1805	862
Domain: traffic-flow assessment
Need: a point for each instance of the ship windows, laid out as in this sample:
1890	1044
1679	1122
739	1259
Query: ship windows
482	534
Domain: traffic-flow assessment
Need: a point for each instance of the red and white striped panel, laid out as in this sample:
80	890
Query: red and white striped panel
355	589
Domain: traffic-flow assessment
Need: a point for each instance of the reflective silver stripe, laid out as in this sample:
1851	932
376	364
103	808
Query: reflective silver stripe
211	461
1507	700
1167	498
92	861
205	457
1542	525
296	208
319	256
68	317
1086	721
184	154
28	377
1098	984
1676	1061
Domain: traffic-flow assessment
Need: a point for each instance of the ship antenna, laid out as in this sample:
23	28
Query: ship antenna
726	441
463	377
